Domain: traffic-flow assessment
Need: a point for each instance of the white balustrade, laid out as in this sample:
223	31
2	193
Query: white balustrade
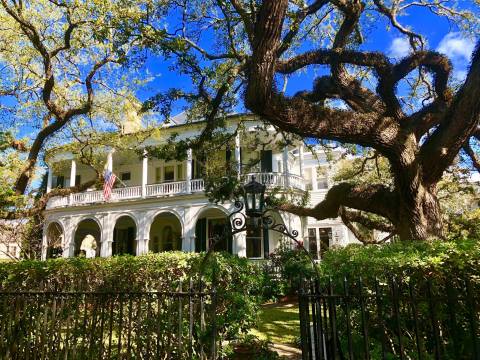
197	185
130	192
272	179
87	197
57	201
169	188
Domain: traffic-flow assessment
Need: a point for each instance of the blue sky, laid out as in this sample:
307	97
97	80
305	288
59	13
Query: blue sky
441	35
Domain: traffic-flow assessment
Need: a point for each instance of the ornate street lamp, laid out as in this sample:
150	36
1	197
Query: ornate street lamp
254	194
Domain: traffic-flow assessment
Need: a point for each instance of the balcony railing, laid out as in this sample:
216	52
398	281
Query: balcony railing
168	189
278	180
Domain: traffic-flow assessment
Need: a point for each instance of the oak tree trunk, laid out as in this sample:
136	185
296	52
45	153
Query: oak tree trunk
419	214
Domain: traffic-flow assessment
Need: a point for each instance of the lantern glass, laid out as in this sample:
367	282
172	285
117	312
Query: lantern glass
254	198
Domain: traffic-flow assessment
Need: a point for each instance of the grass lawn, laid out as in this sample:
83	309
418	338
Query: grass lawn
278	323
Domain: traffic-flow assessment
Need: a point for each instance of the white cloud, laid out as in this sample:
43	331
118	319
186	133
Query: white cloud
456	46
460	75
399	48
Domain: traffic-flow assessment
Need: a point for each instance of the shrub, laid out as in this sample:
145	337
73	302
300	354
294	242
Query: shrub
436	259
291	265
236	280
442	275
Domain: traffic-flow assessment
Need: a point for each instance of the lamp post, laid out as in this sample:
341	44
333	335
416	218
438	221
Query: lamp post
254	199
257	215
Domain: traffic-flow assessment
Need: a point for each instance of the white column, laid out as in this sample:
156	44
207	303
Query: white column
106	236
110	160
285	166
142	234
189	170
238	160
300	159
44	243
49	180
144	174
314	178
73	172
69	237
188	238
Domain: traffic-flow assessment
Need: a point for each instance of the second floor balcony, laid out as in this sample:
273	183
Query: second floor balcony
170	188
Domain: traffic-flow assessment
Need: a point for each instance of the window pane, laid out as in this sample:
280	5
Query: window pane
158	174
125	176
169	173
254	241
180	172
312	243
60	181
217	227
322	182
325	239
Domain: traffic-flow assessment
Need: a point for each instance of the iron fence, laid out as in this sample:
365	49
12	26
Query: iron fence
415	319
116	325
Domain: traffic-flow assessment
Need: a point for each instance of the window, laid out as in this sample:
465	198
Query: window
126	176
312	243
180	172
217	227
78	180
60	182
168	244
325	239
254	241
12	250
158	174
266	160
169	174
322	182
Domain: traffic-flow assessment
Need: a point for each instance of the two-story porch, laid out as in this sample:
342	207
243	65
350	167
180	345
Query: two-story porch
160	205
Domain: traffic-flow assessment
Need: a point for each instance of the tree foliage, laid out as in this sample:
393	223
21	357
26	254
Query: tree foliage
410	111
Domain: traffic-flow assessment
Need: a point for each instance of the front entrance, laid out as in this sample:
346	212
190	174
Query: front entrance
87	239
165	233
209	226
124	235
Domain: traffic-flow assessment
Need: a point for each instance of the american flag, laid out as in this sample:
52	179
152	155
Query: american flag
109	178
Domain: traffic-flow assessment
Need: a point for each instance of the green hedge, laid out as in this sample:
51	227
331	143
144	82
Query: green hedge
441	259
444	276
237	280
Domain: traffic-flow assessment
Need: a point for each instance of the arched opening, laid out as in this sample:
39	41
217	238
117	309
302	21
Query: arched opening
212	222
87	239
54	240
165	233
124	235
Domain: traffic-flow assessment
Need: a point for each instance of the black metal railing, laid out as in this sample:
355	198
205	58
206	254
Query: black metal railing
119	325
415	319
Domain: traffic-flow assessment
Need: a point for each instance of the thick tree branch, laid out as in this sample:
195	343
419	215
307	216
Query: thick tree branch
297	115
377	199
368	222
61	119
364	239
474	157
461	121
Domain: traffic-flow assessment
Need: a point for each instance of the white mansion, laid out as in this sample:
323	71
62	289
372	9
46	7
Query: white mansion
161	206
